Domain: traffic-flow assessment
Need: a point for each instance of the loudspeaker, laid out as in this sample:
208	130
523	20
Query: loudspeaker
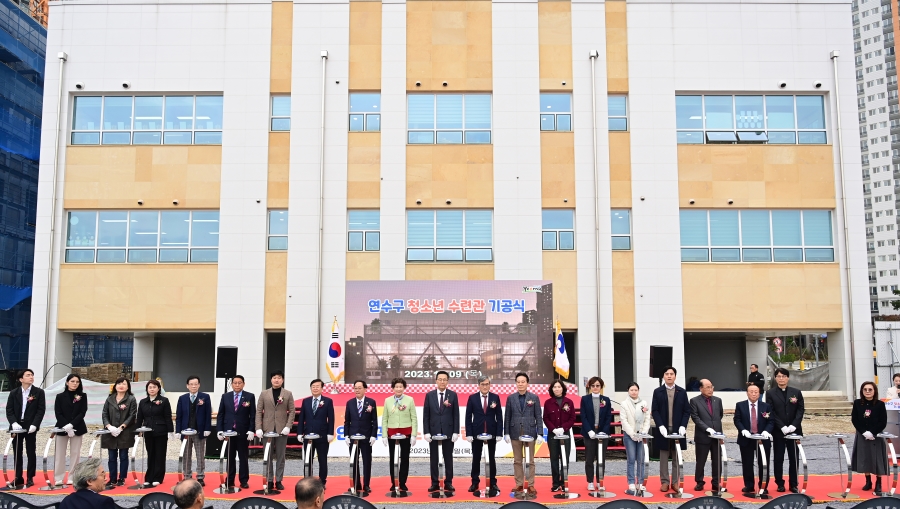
660	359
226	361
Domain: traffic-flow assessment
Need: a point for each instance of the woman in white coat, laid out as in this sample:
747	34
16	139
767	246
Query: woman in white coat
635	417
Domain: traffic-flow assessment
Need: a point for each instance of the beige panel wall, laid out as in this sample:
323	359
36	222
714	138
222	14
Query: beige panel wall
616	47
449	41
365	46
137	297
623	289
620	169
463	174
279	170
561	267
276	290
449	271
744	296
364	168
557	168
555	45
791	176
282	35
117	177
364	266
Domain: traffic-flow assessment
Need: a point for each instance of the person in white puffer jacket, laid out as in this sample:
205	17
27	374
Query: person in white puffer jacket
635	417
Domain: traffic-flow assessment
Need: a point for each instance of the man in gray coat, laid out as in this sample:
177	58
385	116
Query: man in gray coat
706	412
523	417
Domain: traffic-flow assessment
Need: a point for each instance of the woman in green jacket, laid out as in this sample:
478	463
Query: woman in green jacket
399	417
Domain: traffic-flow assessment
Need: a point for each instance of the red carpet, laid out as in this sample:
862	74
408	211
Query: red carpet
818	488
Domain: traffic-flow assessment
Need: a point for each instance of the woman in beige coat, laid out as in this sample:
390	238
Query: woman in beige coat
635	417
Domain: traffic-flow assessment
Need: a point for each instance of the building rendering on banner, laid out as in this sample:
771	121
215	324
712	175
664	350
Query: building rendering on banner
648	173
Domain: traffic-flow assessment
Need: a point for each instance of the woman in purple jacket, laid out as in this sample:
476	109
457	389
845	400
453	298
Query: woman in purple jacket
559	416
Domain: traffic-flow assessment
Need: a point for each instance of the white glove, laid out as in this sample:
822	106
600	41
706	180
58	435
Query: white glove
110	427
32	429
663	431
347	439
785	430
470	439
711	431
592	434
540	440
116	432
206	434
177	436
372	441
506	438
220	435
869	435
558	432
766	435
68	427
70	433
16	426
384	440
427	437
171	436
250	436
454	437
792	429
330	438
286	430
746	433
412	441
681	430
259	433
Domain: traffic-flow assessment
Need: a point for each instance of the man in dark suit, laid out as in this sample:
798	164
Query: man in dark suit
753	417
361	418
237	411
88	479
441	417
706	412
756	378
665	397
317	416
484	415
25	410
787	410
194	411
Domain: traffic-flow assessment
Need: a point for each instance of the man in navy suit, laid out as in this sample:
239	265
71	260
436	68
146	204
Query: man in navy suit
317	416
669	423
237	412
361	418
194	411
440	416
745	413
88	479
484	415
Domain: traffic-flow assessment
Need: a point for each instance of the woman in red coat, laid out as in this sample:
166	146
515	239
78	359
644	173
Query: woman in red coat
559	416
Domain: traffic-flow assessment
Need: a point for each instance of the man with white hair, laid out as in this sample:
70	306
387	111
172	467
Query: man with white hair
88	479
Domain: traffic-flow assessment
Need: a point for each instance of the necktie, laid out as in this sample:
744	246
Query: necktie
237	400
193	397
753	418
484	409
359	407
442	403
709	405
315	405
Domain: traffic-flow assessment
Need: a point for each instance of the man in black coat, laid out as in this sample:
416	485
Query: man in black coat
707	413
88	479
361	418
25	410
237	412
787	411
744	413
484	415
317	416
440	416
669	423
756	378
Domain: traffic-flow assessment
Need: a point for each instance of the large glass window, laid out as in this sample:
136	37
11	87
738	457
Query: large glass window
556	112
365	111
618	112
147	120
621	229
281	113
142	236
278	230
558	229
449	118
757	236
772	119
449	235
363	230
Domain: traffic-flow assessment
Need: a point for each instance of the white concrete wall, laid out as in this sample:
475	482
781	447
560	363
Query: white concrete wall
393	140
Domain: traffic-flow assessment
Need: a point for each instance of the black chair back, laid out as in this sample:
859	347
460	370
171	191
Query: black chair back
9	501
524	504
623	503
347	502
877	503
789	501
157	501
705	502
257	503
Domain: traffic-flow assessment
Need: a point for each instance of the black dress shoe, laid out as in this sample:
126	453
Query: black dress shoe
473	487
781	489
202	483
403	487
795	489
271	486
747	490
280	487
495	490
30	483
715	487
367	489
556	487
245	486
698	487
431	489
449	487
110	485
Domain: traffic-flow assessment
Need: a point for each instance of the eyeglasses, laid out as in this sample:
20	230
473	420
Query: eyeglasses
485	383
868	389
597	385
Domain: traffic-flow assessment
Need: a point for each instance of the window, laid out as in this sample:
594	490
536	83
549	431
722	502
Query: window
449	118
176	120
142	236
621	229
364	230
558	229
365	112
756	236
773	119
281	113
556	112
449	235
618	112
278	230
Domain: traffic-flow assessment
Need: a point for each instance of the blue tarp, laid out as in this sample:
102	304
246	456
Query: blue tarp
12	295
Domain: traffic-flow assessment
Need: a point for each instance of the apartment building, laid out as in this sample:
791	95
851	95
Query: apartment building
220	171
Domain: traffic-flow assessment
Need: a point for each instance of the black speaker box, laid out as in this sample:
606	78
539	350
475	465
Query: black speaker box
660	359
226	361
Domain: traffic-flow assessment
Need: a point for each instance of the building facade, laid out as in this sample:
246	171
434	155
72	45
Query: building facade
678	171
